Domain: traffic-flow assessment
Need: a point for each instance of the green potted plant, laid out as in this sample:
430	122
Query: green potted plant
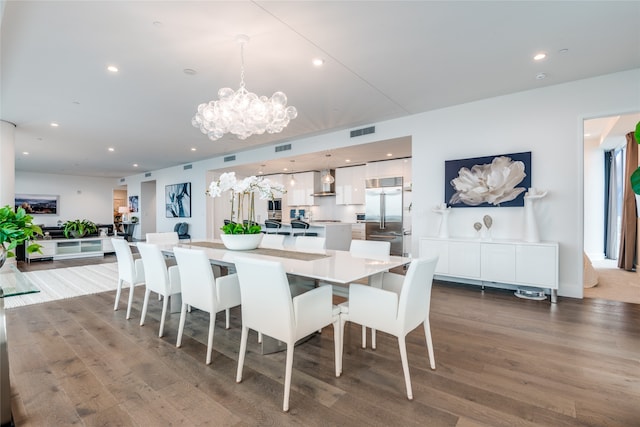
79	228
16	227
635	176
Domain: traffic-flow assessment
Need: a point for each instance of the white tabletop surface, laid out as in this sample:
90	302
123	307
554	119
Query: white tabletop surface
340	267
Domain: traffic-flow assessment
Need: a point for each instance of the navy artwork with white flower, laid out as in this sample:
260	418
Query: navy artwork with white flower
489	181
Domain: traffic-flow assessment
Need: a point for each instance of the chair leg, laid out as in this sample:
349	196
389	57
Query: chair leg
243	350
227	314
373	338
130	302
405	365
147	292
183	317
343	321
364	337
212	325
337	345
165	305
259	337
118	291
427	334
287	376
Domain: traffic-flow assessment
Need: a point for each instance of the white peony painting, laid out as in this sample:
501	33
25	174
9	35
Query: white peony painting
488	181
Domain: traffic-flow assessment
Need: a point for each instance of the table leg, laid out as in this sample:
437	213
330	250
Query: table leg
6	418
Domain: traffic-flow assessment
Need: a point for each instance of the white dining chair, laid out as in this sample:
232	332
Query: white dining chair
129	270
309	244
267	307
392	312
158	278
370	249
272	241
201	290
165	238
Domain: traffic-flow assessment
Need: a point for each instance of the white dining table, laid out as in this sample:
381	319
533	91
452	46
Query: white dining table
332	266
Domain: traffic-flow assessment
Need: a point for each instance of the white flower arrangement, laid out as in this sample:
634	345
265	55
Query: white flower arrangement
242	191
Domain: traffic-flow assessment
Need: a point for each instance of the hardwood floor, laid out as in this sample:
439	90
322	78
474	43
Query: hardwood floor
500	361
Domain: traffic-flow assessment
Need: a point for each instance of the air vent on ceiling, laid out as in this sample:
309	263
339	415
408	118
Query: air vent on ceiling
147	175
187	167
283	147
230	158
363	131
122	179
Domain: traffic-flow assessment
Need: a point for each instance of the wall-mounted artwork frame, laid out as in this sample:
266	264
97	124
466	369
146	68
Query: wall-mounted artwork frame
38	204
489	181
178	200
133	203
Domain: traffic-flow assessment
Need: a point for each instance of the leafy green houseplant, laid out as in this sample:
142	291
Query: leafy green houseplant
635	176
242	196
17	227
79	228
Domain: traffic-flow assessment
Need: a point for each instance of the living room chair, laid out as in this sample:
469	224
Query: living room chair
165	238
267	307
200	289
297	224
272	241
158	278
395	313
182	228
129	270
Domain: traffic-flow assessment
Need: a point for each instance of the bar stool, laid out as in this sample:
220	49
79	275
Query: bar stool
301	225
273	227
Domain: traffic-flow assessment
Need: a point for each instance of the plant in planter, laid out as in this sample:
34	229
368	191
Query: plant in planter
242	196
635	176
16	227
79	228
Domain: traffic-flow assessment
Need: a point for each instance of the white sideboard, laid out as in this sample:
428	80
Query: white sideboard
72	248
497	261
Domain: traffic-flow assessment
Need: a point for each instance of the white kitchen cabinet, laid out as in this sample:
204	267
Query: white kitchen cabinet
306	184
500	261
358	231
350	185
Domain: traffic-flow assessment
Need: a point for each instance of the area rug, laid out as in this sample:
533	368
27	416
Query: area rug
68	282
615	284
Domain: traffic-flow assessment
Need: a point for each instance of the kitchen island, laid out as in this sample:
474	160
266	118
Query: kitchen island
337	234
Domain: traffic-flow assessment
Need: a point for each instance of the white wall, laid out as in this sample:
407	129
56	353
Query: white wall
547	121
86	198
593	199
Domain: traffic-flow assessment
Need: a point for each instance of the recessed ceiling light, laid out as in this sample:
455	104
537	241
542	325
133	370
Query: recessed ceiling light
193	148
112	68
285	169
541	76
347	160
587	134
26	153
389	154
157	24
189	71
54	125
111	149
540	56
135	165
318	62
76	102
565	50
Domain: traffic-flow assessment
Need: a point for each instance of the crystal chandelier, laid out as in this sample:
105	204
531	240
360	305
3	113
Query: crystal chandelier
243	113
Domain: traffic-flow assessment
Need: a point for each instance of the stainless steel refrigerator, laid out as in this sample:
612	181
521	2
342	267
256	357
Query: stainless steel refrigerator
383	212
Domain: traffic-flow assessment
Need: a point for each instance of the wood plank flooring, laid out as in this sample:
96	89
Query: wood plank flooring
500	361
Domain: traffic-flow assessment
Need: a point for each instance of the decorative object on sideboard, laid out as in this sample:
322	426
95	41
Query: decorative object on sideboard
16	227
488	222
78	228
487	181
530	224
444	212
477	227
243	113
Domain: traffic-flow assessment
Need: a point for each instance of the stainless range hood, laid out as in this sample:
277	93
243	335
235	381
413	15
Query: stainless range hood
328	189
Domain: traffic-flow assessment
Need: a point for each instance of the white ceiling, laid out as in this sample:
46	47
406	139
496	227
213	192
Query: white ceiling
383	60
